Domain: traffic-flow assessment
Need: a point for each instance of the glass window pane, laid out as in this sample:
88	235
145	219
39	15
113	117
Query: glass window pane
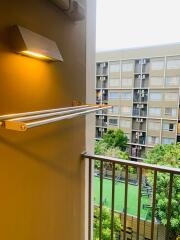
126	96
125	124
168	140
172	81
127	82
155	96
173	64
154	111
113	82
156	81
157	65
114	67
114	95
171	96
127	67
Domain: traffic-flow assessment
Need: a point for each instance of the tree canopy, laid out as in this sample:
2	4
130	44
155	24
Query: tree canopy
106	224
115	138
166	155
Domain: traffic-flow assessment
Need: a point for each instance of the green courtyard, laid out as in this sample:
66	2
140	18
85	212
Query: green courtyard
119	197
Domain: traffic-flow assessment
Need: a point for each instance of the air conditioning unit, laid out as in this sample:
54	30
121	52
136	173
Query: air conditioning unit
142	106
72	8
143	76
140	134
141	120
137	119
140	148
139	76
104	65
138	91
140	62
143	61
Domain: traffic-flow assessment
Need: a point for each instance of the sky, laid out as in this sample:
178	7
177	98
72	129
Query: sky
136	23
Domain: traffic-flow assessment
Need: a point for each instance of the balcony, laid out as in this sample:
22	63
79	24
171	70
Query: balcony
132	227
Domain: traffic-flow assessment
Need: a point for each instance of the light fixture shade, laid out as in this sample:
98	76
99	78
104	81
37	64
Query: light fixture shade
32	44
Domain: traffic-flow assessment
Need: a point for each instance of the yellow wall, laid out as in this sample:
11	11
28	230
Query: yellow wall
41	173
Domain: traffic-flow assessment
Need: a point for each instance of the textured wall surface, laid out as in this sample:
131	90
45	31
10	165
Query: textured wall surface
41	173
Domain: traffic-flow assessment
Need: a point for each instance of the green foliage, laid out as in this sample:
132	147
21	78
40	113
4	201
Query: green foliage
106	224
115	138
108	147
167	155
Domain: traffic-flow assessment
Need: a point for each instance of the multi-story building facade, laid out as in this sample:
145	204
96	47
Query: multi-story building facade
143	86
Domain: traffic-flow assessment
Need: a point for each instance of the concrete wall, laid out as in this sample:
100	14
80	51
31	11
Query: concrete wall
41	172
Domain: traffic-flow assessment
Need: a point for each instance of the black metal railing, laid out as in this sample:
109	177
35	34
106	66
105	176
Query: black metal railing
141	168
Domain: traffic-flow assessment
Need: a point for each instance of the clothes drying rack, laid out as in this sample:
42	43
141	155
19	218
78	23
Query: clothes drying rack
23	121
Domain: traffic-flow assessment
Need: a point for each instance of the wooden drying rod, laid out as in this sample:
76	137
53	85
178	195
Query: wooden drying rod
23	121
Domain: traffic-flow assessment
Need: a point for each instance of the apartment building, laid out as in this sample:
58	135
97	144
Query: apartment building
143	86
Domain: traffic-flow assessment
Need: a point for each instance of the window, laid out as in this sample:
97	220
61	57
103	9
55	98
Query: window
170	112
113	82
113	121
125	124
154	126
114	110
153	140
155	96
172	81
168	140
125	95
168	127
171	97
127	82
155	111
114	67
157	64
114	95
173	63
156	81
127	66
126	110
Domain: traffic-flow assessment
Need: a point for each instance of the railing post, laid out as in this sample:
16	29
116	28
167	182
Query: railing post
90	199
112	201
169	206
139	202
125	202
153	204
101	199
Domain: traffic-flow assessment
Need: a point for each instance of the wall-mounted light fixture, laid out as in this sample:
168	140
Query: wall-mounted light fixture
34	45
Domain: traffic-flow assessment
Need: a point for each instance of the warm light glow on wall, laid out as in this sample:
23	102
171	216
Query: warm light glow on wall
36	55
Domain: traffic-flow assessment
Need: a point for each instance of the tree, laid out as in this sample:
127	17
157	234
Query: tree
167	155
115	138
113	144
106	224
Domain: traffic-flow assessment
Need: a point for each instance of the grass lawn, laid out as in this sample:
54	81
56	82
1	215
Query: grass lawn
119	197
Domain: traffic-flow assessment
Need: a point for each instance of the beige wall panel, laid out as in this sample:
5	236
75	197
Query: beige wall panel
42	173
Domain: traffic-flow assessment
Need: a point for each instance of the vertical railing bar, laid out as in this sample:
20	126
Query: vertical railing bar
139	202
153	204
101	200
90	199
169	206
112	202
125	201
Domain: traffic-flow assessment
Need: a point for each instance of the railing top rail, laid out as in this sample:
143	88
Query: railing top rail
133	164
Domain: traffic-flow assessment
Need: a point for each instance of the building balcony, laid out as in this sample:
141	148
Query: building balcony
144	222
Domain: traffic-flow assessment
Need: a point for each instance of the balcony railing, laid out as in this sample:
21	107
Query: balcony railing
141	169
